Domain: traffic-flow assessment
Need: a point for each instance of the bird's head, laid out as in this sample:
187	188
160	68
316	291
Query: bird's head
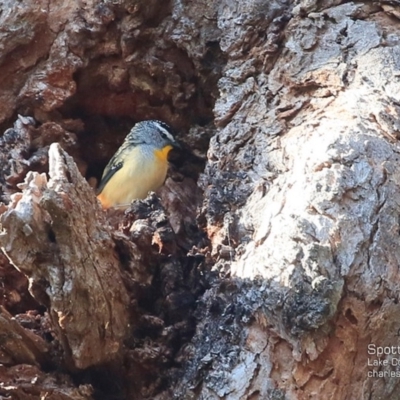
154	133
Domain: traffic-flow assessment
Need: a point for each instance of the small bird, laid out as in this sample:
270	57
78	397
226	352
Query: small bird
139	166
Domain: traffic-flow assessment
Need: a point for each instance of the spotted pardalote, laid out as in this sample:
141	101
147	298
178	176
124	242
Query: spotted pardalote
139	166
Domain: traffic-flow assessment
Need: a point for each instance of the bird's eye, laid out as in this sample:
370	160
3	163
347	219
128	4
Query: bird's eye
165	131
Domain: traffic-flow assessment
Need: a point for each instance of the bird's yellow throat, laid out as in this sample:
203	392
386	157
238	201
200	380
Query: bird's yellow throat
162	154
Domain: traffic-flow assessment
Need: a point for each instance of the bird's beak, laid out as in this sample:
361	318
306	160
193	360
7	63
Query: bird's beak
177	145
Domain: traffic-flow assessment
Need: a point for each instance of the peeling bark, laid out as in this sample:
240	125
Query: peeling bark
28	382
19	345
312	218
70	260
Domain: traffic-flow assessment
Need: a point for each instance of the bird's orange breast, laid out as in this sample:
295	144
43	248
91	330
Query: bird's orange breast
162	154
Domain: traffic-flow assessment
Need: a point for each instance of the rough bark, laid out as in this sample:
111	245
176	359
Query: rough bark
312	222
20	345
266	276
26	382
70	260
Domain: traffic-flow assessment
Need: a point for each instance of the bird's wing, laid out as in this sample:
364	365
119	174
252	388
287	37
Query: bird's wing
110	170
117	161
114	165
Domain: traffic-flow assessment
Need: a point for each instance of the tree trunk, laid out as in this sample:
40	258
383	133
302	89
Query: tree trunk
269	269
